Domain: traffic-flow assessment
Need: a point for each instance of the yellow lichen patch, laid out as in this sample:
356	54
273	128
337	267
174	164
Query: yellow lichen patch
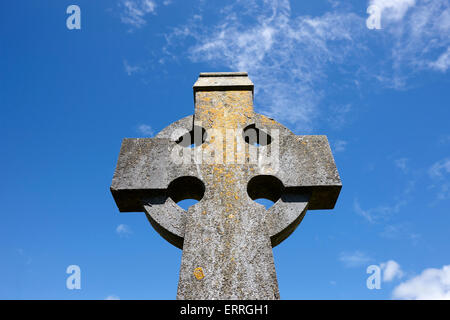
267	121
198	273
225	114
204	212
227	109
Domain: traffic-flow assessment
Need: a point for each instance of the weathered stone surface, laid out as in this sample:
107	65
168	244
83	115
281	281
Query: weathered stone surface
226	237
222	81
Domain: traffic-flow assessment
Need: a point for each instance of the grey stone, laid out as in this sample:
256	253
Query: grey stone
226	237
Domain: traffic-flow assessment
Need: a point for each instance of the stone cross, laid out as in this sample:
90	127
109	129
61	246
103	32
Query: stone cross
226	156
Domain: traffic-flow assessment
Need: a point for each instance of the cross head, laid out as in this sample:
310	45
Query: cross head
226	156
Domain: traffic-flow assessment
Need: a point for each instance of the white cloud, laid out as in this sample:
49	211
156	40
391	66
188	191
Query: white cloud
430	284
293	60
364	213
402	164
393	10
391	270
354	259
340	145
440	168
334	3
145	129
420	37
134	11
400	231
439	172
123	230
339	115
376	214
445	139
129	69
444	192
286	56
112	297
443	62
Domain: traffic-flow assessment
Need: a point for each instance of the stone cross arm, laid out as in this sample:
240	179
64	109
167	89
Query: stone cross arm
144	172
144	169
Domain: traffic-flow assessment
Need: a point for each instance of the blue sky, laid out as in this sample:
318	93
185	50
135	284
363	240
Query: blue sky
68	97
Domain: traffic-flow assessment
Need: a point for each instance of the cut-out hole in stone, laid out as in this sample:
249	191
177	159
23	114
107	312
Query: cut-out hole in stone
256	137
186	191
265	202
186	203
266	189
193	138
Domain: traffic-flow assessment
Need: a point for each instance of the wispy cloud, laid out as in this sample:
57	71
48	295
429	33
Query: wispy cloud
354	259
443	62
392	10
440	169
400	231
402	164
145	130
383	212
129	69
431	284
443	140
440	173
339	145
286	56
339	115
291	59
135	11
123	230
419	33
112	297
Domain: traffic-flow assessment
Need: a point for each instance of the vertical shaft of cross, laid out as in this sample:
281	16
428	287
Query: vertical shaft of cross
227	252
